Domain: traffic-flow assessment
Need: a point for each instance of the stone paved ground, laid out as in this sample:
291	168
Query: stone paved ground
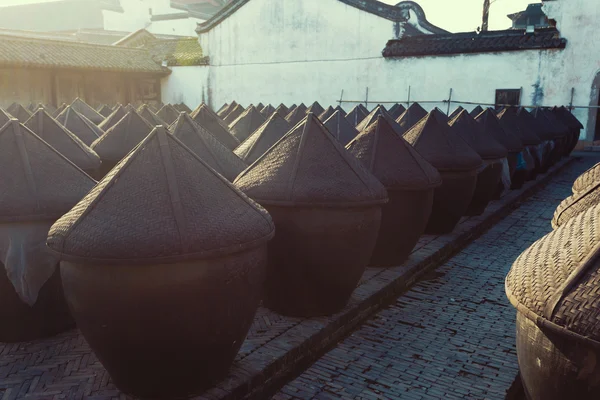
452	336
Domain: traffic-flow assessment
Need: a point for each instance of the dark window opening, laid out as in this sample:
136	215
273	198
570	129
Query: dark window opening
508	96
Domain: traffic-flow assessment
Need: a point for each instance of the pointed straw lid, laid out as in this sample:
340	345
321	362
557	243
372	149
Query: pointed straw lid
249	121
356	115
225	111
87	111
476	111
391	159
480	140
324	116
296	115
160	204
266	111
510	122
63	140
372	117
79	125
488	121
113	118
396	111
559	129
168	114
207	119
149	116
105	110
234	114
19	112
4	117
207	147
59	110
122	137
308	167
263	138
409	118
315	108
457	111
340	128
282	110
38	183
439	145
182	107
568	117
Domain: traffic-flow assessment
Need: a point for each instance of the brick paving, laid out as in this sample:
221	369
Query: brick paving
64	367
452	336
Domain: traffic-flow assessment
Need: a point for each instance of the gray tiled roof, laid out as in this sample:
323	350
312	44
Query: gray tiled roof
39	53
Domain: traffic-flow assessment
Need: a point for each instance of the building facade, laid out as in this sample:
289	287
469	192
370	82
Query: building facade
275	51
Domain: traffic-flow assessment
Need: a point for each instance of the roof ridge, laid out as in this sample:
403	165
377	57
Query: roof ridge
69	42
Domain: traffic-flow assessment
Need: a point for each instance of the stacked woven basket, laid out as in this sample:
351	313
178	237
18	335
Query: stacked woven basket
198	216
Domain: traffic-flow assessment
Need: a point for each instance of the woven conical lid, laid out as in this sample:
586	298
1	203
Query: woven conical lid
234	114
63	140
282	110
224	106
575	204
555	282
4	117
31	107
413	114
113	118
263	138
129	107
38	183
568	118
371	118
587	179
340	128
105	110
59	110
292	108
122	137
296	115
455	113
249	121
480	140
266	111
207	147
391	159
50	109
168	114
439	145
224	112
149	116
356	115
476	111
509	122
363	108
79	125
19	112
160	204
324	116
488	121
87	111
396	111
308	167
260	106
315	108
207	119
559	129
182	107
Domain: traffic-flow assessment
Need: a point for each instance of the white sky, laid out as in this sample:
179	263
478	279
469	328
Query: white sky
452	15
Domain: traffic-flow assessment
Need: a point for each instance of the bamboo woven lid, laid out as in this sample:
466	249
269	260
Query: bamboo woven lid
308	167
440	146
38	183
413	114
509	121
479	139
391	159
340	128
249	121
556	281
82	127
210	121
87	111
576	204
122	137
263	138
587	179
63	140
160	204
207	147
488	122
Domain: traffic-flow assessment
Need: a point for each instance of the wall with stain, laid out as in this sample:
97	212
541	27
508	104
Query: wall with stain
275	51
188	85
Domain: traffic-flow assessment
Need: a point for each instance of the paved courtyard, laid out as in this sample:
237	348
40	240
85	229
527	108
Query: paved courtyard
452	336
